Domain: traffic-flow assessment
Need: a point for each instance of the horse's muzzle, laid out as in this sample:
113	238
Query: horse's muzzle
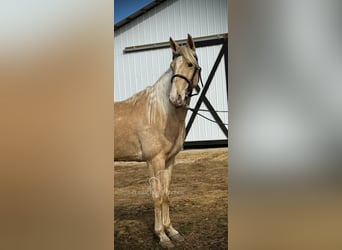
178	103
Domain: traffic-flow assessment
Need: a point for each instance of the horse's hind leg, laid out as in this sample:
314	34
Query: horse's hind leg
173	234
156	167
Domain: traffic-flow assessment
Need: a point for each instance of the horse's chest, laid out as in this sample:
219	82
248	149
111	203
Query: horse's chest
176	142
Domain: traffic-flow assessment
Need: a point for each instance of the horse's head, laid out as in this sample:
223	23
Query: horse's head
185	70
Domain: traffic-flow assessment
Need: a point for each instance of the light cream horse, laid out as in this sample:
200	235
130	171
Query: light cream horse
150	126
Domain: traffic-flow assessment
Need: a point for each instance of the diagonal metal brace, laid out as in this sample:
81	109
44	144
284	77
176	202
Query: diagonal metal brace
203	98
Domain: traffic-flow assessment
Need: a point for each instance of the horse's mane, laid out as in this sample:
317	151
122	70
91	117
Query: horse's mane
156	97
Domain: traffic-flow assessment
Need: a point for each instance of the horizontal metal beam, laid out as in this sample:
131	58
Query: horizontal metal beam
205	144
203	41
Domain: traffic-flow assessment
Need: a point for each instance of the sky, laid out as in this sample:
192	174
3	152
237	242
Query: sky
124	8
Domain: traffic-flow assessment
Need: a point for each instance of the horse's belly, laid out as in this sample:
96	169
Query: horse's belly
127	147
125	151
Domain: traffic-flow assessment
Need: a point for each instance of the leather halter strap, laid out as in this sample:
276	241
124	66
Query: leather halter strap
189	82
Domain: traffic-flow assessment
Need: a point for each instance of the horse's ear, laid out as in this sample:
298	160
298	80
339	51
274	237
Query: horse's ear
173	45
191	43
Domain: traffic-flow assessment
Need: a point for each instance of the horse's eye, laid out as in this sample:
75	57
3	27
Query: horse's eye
190	65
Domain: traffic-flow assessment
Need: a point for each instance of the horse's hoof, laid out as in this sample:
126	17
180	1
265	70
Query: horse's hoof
166	244
177	237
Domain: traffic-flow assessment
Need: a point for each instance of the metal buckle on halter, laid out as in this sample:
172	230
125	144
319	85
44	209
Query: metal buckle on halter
198	88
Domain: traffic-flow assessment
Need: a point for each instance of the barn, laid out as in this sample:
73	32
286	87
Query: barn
142	55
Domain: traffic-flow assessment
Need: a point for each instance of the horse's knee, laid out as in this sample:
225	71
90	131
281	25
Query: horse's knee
166	197
157	198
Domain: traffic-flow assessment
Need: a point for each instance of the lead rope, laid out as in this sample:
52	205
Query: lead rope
205	110
203	116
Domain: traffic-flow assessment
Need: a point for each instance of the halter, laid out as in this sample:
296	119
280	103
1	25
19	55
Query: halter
190	82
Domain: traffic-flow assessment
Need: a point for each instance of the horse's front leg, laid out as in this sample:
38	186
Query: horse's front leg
166	175
157	168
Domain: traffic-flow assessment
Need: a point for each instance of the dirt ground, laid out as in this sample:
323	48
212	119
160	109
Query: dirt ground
199	202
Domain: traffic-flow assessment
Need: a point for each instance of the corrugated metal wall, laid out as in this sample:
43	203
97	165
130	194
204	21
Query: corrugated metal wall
135	71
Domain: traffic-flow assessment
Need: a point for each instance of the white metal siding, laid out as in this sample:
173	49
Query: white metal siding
175	18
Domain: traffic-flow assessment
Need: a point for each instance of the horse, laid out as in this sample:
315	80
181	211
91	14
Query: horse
150	127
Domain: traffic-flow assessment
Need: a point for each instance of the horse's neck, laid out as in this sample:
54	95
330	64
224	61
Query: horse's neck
162	87
159	100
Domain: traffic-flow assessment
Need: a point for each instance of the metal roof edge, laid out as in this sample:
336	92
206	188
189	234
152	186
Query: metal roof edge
137	14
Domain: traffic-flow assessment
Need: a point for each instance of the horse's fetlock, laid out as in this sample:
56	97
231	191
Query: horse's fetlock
159	231
167	226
